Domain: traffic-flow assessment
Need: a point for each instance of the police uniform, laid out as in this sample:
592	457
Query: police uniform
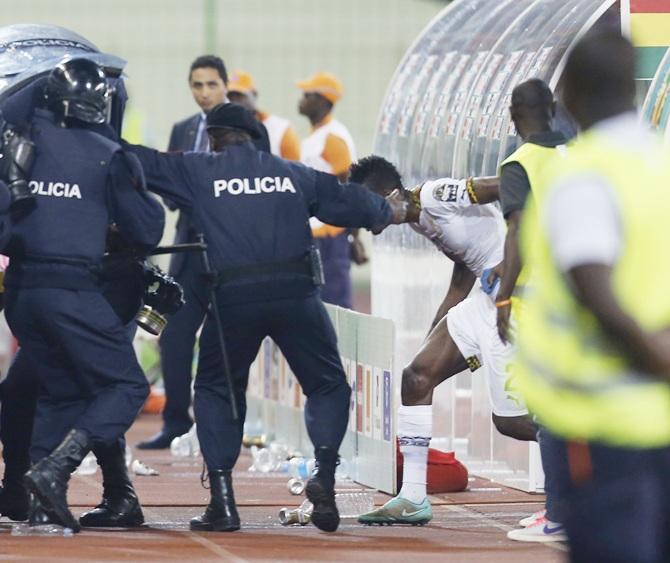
177	341
91	378
254	210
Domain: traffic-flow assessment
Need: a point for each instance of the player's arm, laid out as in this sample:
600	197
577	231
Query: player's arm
165	173
462	280
465	192
484	189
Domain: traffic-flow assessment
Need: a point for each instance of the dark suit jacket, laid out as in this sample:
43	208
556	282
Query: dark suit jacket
183	139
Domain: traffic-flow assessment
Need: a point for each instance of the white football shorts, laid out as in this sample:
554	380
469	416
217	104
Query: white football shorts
472	326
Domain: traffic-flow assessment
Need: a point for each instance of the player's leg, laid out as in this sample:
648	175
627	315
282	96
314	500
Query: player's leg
439	359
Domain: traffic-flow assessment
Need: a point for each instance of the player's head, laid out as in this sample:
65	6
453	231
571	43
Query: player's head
533	107
377	174
599	77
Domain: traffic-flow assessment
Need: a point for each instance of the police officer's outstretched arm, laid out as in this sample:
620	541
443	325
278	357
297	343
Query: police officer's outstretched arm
345	205
165	173
138	215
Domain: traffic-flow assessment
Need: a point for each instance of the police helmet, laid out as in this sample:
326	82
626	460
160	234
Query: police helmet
78	88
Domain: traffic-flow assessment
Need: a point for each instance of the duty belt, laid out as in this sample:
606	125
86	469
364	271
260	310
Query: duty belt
77	274
298	266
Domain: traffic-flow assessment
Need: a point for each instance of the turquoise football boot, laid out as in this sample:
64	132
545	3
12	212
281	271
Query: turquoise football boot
399	511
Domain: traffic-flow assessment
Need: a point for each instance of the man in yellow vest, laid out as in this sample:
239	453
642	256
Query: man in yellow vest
284	141
594	338
532	110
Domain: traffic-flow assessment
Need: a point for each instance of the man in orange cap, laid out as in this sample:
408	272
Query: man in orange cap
284	140
330	148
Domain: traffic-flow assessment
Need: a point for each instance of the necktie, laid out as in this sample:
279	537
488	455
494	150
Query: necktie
202	142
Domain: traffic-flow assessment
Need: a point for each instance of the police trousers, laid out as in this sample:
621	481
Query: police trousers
89	377
302	330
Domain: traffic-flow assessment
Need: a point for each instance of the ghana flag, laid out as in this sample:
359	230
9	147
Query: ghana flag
648	22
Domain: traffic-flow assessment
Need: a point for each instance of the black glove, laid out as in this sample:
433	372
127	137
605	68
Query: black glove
18	155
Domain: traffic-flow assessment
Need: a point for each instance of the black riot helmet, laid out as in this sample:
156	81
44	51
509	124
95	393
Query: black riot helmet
78	88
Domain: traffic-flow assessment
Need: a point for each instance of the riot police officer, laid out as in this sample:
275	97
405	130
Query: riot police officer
254	210
91	383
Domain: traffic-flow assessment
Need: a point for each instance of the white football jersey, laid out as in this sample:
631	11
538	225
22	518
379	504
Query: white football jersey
469	233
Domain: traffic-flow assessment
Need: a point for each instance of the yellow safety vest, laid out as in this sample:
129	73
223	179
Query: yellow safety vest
533	158
572	375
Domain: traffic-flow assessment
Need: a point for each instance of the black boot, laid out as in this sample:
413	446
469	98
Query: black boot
48	478
14	498
120	507
162	440
38	515
221	514
320	490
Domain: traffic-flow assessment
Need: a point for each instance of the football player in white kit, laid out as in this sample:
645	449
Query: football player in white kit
458	216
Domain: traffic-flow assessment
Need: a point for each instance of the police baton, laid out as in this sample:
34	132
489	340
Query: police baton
202	246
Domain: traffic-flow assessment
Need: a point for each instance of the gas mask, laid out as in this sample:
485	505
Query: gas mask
162	296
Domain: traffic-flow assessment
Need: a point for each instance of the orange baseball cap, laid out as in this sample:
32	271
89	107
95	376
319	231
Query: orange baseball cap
323	83
241	81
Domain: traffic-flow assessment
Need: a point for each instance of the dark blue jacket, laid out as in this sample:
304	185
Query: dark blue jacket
254	208
182	139
82	182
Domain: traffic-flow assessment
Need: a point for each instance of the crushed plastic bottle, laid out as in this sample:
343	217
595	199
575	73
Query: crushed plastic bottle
186	444
25	530
264	461
271	459
342	472
301	468
88	465
353	504
301	515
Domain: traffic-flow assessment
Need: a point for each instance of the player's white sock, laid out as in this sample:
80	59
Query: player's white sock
415	428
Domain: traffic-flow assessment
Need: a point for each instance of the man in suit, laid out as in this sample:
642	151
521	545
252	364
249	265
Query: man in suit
208	81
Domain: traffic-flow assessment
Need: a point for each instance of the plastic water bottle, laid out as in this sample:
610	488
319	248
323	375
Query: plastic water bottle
264	460
193	440
301	515
342	472
186	444
353	504
88	465
128	455
25	530
301	468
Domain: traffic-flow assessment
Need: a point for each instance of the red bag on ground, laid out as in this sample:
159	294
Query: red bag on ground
445	473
